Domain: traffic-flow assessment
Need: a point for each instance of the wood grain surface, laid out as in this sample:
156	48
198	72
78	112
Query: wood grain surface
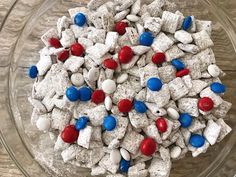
7	167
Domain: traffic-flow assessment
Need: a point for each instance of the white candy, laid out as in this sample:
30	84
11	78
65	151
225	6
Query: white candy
132	18
43	123
93	74
175	152
108	103
173	113
125	154
213	70
77	79
122	78
115	156
183	36
109	86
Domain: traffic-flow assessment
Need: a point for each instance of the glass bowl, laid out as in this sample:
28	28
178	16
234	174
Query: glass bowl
20	42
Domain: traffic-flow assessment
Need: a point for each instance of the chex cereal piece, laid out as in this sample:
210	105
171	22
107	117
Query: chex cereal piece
138	120
153	24
40	108
121	15
51	33
114	144
152	132
124	5
118	132
194	66
111	40
142	61
138	170
207	92
97	170
131	63
96	114
174	52
60	145
60	118
162	43
108	165
206	58
123	91
183	36
198	86
225	129
135	83
222	109
189	105
191	48
85	42
164	153
48	100
170	21
212	132
85	136
147	72
154	8
132	35
69	153
201	150
73	63
167	133
88	157
187	81
67	38
44	64
159	167
202	40
62	23
132	141
204	25
79	32
196	125
177	88
141	95
161	98
94	4
97	51
97	35
166	73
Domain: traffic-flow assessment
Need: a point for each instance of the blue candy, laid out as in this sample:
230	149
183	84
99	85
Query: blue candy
85	94
196	140
80	19
33	72
217	87
187	23
72	94
154	84
185	120
109	123
81	123
146	39
124	166
178	64
140	107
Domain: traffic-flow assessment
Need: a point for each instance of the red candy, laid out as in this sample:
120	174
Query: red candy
125	105
98	96
69	134
110	64
54	42
205	104
158	58
120	27
182	73
147	146
77	49
161	125
63	55
125	54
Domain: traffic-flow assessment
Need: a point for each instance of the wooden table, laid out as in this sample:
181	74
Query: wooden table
7	167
